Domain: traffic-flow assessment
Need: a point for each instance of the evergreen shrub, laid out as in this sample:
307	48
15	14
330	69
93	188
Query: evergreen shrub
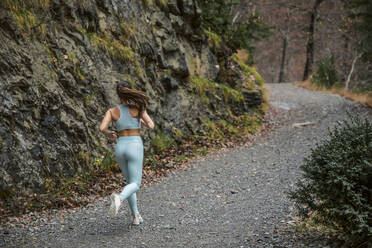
220	20
326	73
336	189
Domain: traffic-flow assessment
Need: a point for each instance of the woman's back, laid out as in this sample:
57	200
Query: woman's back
125	119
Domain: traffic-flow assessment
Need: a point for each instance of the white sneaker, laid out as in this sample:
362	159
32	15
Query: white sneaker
137	220
115	204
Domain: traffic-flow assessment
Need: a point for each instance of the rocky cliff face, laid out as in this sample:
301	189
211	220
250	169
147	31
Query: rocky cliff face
61	59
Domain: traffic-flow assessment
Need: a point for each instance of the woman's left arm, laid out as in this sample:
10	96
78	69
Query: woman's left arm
146	120
104	126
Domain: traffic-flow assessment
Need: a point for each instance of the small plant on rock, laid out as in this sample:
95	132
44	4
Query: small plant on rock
214	40
336	189
230	93
203	86
113	47
161	143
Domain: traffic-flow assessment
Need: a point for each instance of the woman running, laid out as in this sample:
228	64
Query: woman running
128	116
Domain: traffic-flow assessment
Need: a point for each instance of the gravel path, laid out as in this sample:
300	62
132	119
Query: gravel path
233	198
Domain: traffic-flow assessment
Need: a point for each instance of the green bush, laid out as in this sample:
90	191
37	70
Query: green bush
161	143
326	73
337	186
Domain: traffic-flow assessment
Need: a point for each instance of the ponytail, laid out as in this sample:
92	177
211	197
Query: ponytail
134	98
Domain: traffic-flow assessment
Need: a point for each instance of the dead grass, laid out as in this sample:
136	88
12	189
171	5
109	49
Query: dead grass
242	55
365	98
26	15
19	5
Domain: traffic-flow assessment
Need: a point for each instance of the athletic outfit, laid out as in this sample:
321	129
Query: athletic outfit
129	155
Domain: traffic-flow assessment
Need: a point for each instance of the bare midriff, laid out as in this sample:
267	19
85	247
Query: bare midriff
129	132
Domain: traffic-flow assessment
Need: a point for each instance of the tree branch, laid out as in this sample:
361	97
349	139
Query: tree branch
351	72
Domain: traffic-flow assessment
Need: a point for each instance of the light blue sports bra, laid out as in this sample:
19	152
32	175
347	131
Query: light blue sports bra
126	121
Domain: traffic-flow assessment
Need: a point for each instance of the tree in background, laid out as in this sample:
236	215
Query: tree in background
310	40
232	21
290	22
362	14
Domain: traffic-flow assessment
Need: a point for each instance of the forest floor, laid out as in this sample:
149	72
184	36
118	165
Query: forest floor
235	197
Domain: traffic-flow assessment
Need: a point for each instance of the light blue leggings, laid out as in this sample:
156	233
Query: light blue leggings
129	155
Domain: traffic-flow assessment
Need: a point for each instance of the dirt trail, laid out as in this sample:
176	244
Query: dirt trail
234	198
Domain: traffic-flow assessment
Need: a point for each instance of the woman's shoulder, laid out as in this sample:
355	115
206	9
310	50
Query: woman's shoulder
114	109
115	113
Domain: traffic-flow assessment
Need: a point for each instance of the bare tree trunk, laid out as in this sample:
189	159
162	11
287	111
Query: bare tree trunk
284	54
310	43
235	17
351	72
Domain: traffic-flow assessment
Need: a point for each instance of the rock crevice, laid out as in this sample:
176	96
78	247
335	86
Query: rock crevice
59	65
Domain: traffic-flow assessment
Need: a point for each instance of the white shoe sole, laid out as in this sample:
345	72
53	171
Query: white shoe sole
139	221
113	211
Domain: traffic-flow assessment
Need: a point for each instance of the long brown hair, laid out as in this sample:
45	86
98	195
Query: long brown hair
134	98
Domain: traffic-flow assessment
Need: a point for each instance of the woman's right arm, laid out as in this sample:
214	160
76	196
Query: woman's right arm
146	120
104	126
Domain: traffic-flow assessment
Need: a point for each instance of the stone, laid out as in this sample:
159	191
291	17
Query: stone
170	165
169	83
303	124
54	91
170	45
173	7
177	23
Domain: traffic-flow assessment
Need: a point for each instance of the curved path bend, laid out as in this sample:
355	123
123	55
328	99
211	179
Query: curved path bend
234	198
